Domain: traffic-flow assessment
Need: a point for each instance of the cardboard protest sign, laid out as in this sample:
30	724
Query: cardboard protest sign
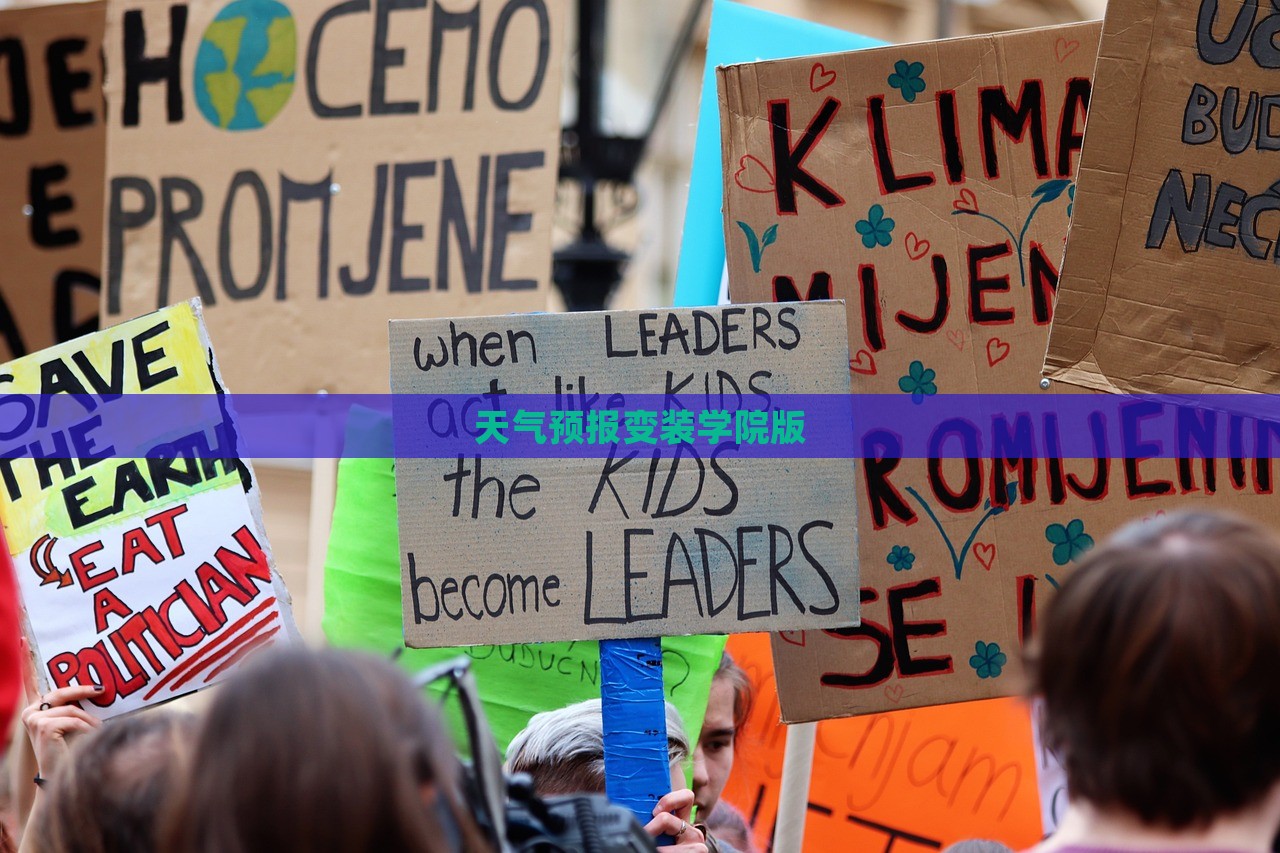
150	576
311	170
641	524
52	151
930	187
1166	283
516	680
907	782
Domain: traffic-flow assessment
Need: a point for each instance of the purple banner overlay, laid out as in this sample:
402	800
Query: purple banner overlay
612	425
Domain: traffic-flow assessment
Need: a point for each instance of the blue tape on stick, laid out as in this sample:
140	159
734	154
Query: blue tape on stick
637	769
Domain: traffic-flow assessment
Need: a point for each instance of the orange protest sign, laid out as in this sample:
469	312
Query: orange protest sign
900	782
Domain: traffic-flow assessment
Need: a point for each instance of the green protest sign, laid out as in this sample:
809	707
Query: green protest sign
362	610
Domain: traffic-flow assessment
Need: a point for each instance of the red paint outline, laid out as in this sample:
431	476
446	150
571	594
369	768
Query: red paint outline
186	664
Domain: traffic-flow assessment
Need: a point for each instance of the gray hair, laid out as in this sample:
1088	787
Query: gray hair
978	845
563	750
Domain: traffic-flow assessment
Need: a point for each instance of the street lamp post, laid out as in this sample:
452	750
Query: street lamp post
588	269
947	14
946	18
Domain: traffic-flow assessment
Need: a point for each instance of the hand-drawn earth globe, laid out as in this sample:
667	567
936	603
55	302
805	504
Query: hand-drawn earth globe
245	64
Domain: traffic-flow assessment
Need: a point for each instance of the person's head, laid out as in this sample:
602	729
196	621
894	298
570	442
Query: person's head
563	750
728	706
109	795
1157	663
435	764
299	752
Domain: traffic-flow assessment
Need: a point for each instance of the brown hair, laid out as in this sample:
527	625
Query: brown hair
430	749
743	694
1157	662
298	752
107	797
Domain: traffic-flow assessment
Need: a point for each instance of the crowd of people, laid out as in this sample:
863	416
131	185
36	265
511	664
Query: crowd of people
1158	663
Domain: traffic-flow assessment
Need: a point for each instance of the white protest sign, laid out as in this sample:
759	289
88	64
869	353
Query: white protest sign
149	576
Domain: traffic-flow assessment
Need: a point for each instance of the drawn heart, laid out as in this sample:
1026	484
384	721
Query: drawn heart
795	638
752	175
1063	48
966	201
957	339
863	362
893	692
985	553
997	351
820	78
916	248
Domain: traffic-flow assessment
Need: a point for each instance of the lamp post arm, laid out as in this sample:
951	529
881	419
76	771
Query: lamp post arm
673	68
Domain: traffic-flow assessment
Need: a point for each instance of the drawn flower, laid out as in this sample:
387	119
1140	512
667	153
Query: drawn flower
901	558
1047	193
875	229
918	382
1069	541
757	245
1051	190
907	80
988	660
1010	498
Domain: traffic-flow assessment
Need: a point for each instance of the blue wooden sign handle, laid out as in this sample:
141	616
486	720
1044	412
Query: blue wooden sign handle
637	768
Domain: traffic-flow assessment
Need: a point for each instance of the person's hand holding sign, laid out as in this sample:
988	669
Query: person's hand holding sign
53	720
671	818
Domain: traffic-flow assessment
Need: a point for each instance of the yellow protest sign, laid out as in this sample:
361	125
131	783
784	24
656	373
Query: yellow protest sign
134	527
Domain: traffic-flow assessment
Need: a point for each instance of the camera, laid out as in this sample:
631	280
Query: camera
586	823
510	813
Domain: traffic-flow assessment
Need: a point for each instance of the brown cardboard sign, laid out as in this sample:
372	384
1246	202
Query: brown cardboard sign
634	531
1169	275
928	183
52	147
323	167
